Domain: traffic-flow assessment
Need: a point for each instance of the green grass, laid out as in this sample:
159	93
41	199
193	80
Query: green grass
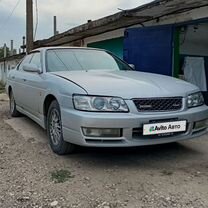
2	88
61	176
167	173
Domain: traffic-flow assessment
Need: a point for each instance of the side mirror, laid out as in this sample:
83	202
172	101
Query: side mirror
132	66
31	68
13	66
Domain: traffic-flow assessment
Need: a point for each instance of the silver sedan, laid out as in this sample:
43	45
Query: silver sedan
90	97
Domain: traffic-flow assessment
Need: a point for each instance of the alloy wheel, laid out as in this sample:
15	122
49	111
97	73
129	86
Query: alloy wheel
55	128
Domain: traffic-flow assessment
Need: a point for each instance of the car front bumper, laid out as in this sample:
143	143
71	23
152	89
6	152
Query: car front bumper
131	124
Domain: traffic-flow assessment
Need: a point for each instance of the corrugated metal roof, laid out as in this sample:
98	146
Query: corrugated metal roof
147	12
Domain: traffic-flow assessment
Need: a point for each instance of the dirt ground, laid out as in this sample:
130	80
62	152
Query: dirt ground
174	175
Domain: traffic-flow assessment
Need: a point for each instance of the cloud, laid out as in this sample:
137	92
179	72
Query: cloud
11	27
70	13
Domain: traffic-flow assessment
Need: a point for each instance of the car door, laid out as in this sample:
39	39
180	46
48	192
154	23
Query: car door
18	84
35	87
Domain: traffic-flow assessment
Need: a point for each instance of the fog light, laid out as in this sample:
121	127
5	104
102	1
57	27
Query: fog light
95	132
201	124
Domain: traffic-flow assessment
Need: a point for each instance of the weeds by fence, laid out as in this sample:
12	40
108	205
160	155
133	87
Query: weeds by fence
2	88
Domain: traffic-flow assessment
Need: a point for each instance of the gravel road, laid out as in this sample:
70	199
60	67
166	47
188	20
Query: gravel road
174	175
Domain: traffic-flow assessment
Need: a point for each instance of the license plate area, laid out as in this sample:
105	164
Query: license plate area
164	128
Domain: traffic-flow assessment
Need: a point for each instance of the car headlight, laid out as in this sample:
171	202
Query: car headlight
99	104
195	100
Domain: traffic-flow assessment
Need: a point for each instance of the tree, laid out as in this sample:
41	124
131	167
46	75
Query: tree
2	52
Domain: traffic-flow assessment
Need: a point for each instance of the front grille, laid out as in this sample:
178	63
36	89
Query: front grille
158	104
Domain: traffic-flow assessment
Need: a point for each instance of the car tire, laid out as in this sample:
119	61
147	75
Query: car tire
55	132
12	106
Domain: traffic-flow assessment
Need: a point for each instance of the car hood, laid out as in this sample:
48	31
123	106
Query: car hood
128	84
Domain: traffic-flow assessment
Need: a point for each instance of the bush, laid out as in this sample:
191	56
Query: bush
61	176
2	88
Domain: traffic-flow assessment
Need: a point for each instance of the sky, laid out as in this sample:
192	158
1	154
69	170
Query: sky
70	13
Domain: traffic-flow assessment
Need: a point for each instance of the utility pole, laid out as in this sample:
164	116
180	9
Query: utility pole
55	31
54	26
5	50
12	48
5	55
29	25
23	44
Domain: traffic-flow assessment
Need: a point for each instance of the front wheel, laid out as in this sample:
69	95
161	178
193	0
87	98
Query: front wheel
55	133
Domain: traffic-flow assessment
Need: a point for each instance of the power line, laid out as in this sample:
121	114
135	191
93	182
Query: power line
36	24
10	15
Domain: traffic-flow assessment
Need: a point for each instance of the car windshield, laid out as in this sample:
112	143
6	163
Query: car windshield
82	60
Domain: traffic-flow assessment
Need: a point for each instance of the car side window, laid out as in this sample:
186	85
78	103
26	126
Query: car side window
26	60
36	60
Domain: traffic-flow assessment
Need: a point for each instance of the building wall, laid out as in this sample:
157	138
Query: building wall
171	19
104	36
5	67
114	45
2	71
194	41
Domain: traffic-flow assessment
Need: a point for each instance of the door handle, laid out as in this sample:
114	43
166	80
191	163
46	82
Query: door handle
24	80
13	77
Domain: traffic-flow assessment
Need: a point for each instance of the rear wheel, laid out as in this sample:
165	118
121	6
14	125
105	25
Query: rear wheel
12	105
55	133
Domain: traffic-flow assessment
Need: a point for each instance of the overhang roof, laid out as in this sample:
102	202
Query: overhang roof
126	18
